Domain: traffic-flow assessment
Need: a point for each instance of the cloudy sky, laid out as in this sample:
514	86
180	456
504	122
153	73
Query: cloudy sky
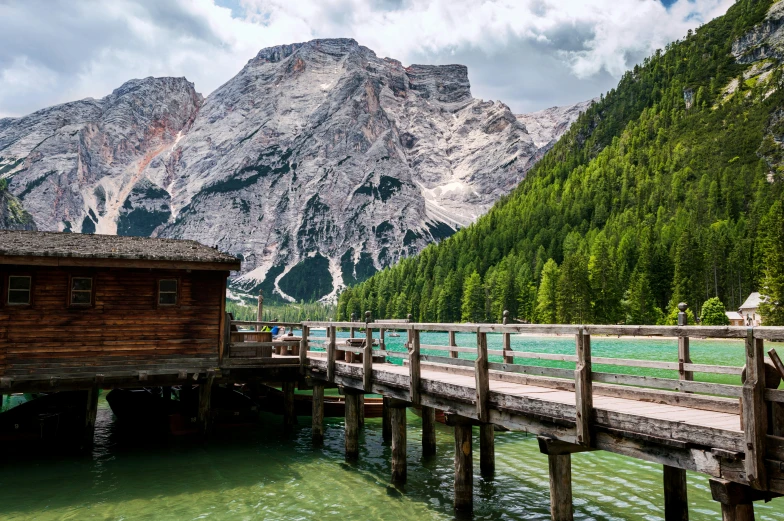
530	54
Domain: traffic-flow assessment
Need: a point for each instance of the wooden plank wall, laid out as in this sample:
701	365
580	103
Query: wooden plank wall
124	326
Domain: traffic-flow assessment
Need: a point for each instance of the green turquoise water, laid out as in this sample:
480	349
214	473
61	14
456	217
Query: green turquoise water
257	473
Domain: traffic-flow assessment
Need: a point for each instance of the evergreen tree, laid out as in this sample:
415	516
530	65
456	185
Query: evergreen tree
473	308
546	297
574	291
772	289
604	281
688	270
713	313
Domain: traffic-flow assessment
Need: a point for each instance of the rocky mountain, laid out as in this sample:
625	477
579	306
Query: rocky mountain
318	164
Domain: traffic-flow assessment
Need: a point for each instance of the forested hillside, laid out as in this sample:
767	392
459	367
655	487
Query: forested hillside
668	189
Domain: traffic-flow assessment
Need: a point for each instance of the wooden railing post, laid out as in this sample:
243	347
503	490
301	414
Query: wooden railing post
583	389
508	358
367	356
683	346
755	414
452	343
414	369
303	348
482	377
331	347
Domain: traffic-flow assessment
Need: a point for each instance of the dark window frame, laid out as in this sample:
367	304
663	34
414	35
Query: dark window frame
158	303
7	290
81	305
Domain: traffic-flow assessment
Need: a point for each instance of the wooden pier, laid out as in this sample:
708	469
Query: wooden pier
734	434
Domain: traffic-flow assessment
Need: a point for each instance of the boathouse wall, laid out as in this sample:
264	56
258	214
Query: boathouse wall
123	325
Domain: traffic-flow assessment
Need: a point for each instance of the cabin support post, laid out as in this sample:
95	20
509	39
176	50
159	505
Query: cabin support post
464	467
560	467
452	343
352	424
428	431
289	413
90	414
397	416
487	449
737	499
755	413
205	396
386	425
676	504
318	414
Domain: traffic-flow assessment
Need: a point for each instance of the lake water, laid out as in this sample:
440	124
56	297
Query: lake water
257	473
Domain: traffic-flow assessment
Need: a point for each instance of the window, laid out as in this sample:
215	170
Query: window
167	292
81	291
19	290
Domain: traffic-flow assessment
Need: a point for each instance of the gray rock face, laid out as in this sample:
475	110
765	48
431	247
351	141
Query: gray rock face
318	163
766	40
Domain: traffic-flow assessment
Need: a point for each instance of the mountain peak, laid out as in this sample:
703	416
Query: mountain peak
332	46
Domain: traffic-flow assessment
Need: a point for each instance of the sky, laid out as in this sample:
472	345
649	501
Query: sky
529	54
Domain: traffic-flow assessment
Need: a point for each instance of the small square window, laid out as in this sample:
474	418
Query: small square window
19	290
167	292
81	291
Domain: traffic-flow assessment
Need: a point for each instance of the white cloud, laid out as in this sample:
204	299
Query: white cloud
530	53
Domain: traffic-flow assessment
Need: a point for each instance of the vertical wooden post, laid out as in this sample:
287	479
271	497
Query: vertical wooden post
736	499
428	431
90	414
289	412
361	399
367	356
382	344
352	330
507	346
303	349
487	449
464	468
318	414
397	416
205	397
583	389
482	375
776	427
676	504
684	356
352	424
755	414
414	370
560	487
331	347
386	425
452	343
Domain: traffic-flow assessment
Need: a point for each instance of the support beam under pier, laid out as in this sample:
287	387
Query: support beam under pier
352	424
487	449
736	499
90	414
464	467
386	426
676	503
397	420
289	413
428	431
318	414
560	487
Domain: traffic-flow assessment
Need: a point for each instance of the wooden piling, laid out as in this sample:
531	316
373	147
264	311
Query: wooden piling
464	468
318	414
397	416
386	425
560	487
205	397
428	431
352	424
361	399
487	449
736	499
90	414
289	413
676	504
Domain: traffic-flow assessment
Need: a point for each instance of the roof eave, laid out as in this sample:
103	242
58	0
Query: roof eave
119	262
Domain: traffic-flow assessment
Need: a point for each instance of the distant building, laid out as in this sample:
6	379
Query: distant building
735	318
750	310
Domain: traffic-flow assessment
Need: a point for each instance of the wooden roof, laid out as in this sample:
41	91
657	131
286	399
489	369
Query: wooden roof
74	249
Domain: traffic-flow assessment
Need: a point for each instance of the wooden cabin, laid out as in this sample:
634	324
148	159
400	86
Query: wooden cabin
110	306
